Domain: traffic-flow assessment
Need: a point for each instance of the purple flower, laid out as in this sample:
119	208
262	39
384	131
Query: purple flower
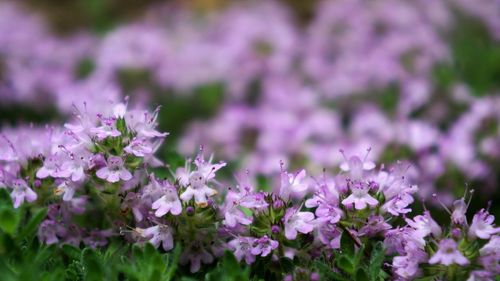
263	246
242	247
21	192
407	266
355	166
397	240
375	225
329	235
48	232
107	129
144	123
398	204
159	234
481	275
74	167
97	238
459	210
360	197
50	167
196	181
328	213
169	202
114	171
195	255
232	214
67	189
297	222
198	189
133	201
448	254
293	184
492	247
425	225
139	147
326	193
482	225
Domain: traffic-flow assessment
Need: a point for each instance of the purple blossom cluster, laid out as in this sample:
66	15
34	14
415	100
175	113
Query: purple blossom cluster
314	82
100	167
43	165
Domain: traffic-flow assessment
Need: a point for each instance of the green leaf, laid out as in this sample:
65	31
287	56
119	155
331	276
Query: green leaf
173	259
9	219
71	252
32	224
327	273
376	261
347	245
361	275
93	266
345	264
287	264
230	264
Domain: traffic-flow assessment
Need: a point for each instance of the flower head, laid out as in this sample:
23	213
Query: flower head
448	254
263	246
360	197
114	170
21	192
297	222
159	234
169	202
242	249
482	225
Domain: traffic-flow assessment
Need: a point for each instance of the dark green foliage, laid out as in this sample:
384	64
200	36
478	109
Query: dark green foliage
229	270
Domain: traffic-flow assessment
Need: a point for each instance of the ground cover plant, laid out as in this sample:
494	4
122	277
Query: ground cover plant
249	140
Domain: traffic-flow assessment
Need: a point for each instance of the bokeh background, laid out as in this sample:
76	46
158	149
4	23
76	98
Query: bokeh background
259	82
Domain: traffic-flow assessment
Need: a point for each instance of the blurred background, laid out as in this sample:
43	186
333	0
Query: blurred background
257	82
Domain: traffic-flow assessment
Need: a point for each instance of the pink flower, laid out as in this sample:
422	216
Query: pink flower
144	123
169	202
242	247
50	167
21	192
297	222
293	184
107	129
139	147
196	181
195	255
448	254
67	189
264	246
482	225
425	225
159	234
74	167
374	226
459	210
355	166
198	189
360	197
49	230
233	216
114	171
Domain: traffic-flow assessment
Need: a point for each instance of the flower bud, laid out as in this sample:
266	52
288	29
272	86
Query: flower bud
190	211
275	229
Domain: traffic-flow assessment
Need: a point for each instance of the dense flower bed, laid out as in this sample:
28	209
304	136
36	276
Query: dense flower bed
96	180
360	143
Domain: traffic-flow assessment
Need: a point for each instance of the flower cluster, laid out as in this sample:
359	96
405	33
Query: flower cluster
97	175
99	152
285	85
